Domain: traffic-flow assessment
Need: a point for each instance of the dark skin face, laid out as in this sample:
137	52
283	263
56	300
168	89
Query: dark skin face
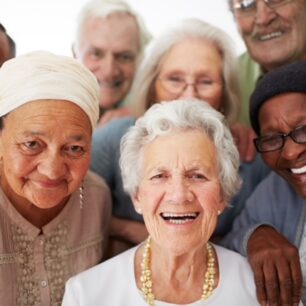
290	161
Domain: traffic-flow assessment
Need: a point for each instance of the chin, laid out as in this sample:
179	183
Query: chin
47	202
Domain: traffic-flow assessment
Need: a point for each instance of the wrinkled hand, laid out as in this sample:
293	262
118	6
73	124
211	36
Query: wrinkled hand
113	114
244	136
276	266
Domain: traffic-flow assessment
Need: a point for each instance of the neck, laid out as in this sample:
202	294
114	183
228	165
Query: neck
175	279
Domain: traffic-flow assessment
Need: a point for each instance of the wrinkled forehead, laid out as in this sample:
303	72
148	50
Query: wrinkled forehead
282	111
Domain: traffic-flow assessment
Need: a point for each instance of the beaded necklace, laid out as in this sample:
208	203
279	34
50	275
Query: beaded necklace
146	274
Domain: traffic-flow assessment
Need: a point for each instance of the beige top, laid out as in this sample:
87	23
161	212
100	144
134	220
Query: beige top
35	265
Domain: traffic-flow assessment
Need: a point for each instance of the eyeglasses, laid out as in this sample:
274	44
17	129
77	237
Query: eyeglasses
276	142
249	7
176	85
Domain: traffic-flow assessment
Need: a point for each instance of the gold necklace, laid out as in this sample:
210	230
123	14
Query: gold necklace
146	274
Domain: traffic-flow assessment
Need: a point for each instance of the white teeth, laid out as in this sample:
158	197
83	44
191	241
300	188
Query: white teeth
176	221
174	215
298	170
270	36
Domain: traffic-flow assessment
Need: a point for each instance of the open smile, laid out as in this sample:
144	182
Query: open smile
270	36
300	170
179	218
111	85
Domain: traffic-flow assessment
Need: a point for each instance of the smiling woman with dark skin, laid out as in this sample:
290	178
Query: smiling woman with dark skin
54	214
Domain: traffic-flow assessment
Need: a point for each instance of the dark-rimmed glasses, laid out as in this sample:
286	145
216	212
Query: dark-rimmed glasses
277	141
249	7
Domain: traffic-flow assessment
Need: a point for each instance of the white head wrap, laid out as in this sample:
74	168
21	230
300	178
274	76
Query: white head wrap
42	75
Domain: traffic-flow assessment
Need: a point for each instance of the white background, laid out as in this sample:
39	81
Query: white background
49	24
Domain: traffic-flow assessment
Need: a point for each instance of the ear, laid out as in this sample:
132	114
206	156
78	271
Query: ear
222	205
137	202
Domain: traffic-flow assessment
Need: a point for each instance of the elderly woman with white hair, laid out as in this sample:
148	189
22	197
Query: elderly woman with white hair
191	59
54	214
180	166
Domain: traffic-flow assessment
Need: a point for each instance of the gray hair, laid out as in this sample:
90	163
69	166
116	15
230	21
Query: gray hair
104	8
141	96
166	117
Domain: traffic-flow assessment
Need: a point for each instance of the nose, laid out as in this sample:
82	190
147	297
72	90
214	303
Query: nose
264	14
179	192
292	150
52	166
107	68
189	92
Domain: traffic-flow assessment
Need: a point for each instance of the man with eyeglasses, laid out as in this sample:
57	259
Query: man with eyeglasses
274	32
271	230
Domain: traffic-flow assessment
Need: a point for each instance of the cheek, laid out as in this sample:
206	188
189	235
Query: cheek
18	165
215	100
210	199
160	94
128	71
78	169
271	159
245	25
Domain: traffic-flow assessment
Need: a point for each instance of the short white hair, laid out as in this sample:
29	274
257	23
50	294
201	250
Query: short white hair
104	8
166	117
142	90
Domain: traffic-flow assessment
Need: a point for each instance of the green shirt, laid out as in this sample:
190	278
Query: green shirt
249	72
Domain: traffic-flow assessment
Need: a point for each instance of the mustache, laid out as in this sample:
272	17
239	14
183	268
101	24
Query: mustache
260	31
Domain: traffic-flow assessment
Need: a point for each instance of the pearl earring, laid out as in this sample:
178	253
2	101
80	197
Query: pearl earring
219	212
139	210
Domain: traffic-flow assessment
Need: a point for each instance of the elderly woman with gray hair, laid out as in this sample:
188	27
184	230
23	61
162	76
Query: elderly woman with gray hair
191	59
54	214
180	166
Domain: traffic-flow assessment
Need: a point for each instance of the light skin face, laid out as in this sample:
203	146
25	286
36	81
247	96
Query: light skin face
46	157
193	60
109	47
273	118
275	37
4	48
179	191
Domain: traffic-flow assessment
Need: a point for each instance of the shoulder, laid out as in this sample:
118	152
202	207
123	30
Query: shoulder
236	277
274	187
235	258
115	129
94	283
96	191
248	66
234	266
95	181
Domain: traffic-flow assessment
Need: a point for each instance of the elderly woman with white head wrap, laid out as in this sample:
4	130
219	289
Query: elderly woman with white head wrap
54	214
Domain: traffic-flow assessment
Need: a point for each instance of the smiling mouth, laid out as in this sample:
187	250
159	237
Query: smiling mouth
179	218
111	85
270	36
301	170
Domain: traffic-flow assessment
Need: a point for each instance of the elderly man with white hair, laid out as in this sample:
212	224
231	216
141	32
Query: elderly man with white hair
54	214
110	41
